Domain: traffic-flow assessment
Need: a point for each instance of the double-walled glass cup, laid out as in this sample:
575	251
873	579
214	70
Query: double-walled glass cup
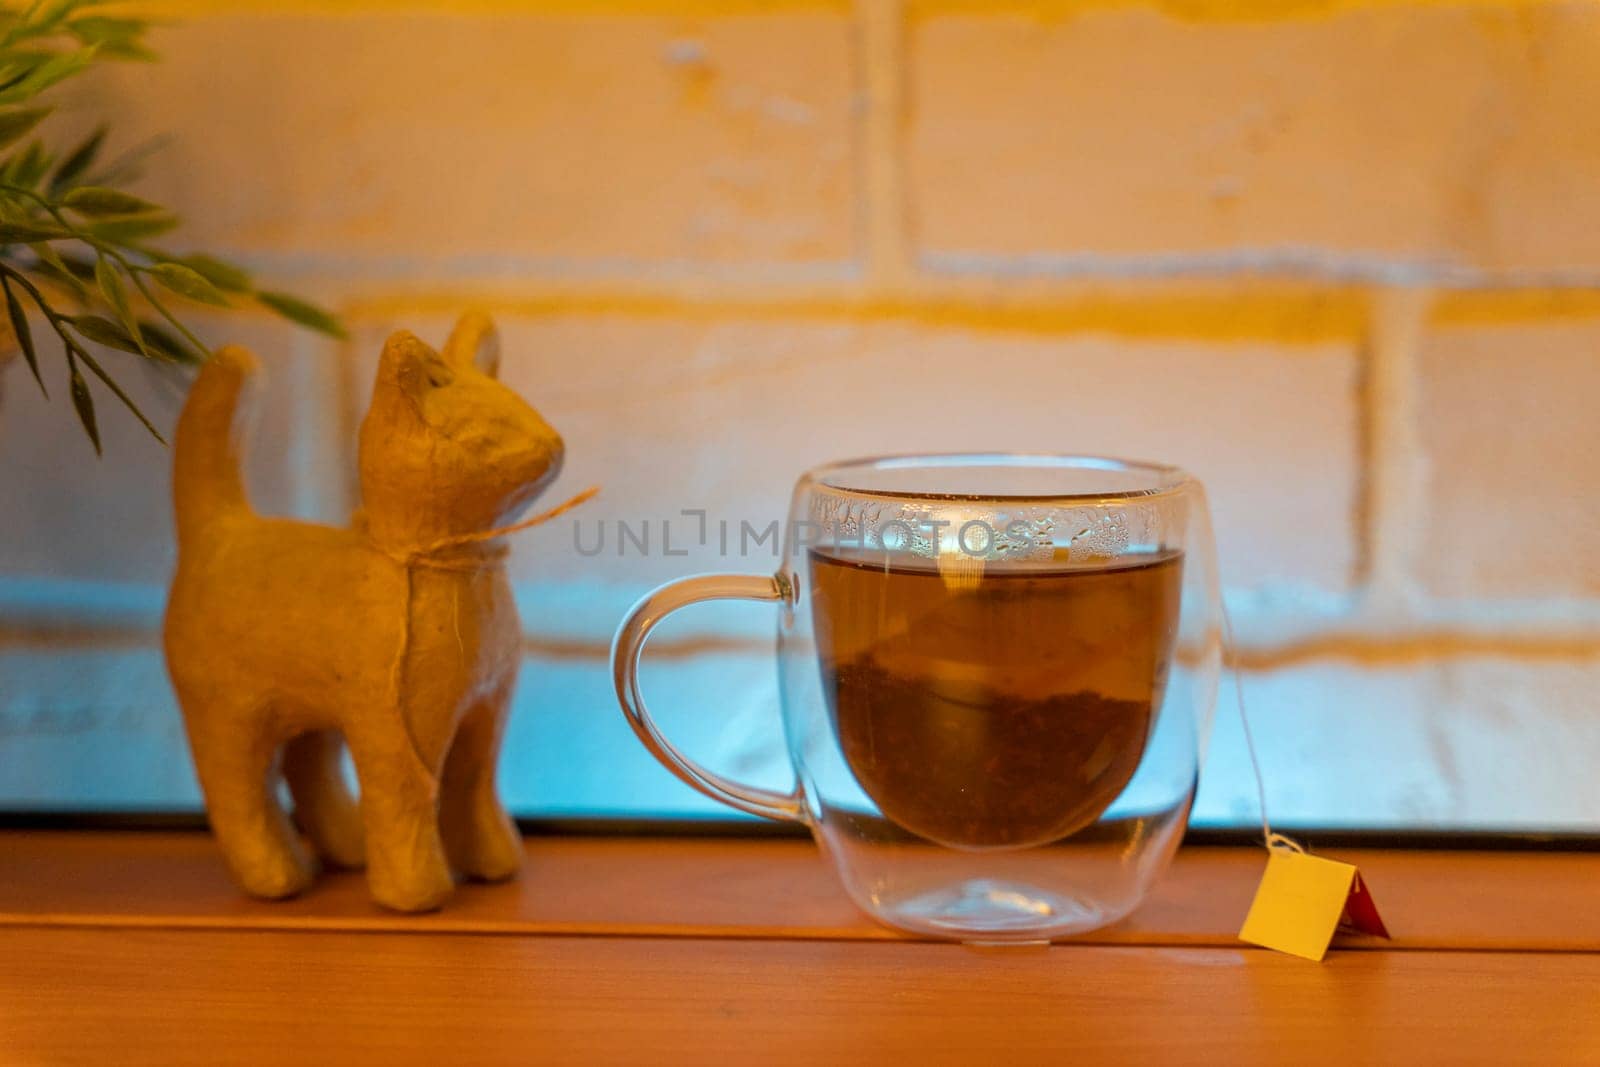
997	677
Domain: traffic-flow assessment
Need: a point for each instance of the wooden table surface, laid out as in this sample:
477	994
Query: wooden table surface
129	948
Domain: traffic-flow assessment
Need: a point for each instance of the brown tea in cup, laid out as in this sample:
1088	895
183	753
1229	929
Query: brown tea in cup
994	706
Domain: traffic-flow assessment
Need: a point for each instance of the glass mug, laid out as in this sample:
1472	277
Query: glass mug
997	676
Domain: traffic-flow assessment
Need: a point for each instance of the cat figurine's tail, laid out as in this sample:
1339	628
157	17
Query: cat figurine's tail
207	482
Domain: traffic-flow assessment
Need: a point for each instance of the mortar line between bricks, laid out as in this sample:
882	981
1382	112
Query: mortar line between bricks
1193	11
349	407
1363	504
1390	510
194	10
1368	649
881	123
1283	312
1045	11
317	392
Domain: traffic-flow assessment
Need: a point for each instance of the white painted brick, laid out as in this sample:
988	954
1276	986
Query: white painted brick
1458	744
1455	136
66	515
569	751
91	729
431	144
99	730
1510	418
1467	744
667	414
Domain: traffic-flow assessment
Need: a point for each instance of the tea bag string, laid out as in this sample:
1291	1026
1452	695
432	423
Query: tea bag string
1269	837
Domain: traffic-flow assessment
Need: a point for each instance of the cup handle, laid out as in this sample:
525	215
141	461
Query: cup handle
625	652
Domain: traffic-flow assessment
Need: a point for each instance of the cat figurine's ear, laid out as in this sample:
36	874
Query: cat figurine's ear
474	343
408	368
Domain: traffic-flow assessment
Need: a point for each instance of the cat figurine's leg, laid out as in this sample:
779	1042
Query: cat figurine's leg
406	865
479	836
236	760
323	806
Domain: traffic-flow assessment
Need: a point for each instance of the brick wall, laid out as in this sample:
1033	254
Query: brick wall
1340	259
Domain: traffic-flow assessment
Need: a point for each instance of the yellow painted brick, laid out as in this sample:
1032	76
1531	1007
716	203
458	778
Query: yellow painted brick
427	145
671	414
1510	418
1451	138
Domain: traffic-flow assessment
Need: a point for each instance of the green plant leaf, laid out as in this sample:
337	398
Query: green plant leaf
18	65
103	331
78	161
186	281
47	16
107	32
28	232
111	287
84	404
225	276
117	391
39	19
110	383
127	166
55	69
129	229
77	265
51	266
24	335
309	315
17	122
25	168
136	51
97	200
166	344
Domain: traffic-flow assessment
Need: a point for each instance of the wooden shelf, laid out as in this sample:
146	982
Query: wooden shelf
127	946
667	887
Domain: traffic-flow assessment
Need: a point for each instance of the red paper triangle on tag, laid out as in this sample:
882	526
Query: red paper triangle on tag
1361	912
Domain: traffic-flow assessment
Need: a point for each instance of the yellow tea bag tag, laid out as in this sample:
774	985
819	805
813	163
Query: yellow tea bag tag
1304	899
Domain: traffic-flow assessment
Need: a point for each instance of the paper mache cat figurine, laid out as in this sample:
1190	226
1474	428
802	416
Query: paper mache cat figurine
398	637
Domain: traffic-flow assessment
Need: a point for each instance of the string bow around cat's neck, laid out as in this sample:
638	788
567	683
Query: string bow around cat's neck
480	548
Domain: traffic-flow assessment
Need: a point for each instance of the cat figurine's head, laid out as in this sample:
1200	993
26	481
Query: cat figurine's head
446	449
